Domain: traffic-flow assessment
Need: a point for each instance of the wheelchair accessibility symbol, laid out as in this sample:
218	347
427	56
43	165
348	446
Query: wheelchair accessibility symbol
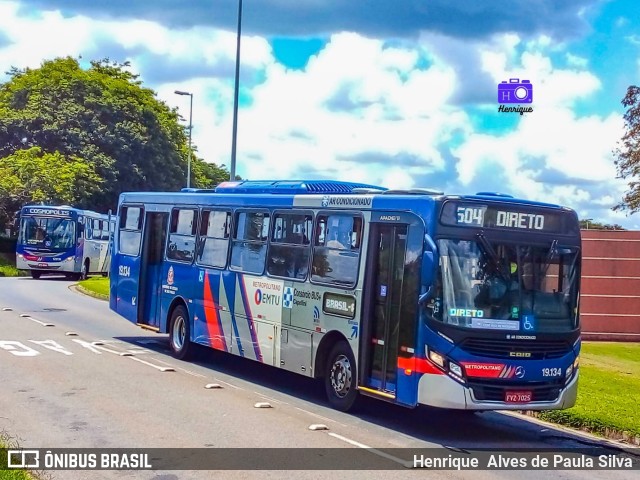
528	323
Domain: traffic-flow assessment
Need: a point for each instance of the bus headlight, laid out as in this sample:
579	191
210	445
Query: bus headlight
436	358
569	371
69	259
455	369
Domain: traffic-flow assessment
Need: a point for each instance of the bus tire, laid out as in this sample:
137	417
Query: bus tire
340	377
35	274
179	333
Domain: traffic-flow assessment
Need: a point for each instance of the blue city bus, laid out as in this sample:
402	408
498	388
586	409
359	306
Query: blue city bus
63	240
414	297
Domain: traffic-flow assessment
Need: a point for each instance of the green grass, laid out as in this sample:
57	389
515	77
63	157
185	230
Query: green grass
7	266
7	442
99	286
608	390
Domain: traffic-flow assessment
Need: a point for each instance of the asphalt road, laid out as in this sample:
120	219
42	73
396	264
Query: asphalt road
73	374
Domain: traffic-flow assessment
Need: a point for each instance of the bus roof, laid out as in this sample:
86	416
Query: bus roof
57	210
275	193
291	187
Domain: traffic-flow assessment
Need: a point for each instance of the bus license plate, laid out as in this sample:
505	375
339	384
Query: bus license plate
517	397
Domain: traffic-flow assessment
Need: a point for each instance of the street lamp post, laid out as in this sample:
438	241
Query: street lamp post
179	92
234	134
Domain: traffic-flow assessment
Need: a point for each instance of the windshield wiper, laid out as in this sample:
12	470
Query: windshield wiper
491	254
550	254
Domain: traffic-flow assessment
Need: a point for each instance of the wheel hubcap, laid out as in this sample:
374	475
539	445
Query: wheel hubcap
341	376
179	333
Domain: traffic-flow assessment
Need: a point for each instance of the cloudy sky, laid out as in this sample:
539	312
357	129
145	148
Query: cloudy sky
399	93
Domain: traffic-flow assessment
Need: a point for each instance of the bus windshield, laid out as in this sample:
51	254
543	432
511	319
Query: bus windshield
47	232
501	286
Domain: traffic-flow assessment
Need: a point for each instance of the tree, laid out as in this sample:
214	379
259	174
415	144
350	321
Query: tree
103	117
30	175
589	224
628	154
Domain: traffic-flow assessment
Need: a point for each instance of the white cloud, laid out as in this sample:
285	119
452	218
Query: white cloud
364	111
355	97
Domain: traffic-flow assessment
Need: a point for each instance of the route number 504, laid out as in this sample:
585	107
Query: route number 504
470	216
124	271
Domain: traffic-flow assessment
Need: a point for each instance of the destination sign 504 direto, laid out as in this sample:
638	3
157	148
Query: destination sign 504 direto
511	217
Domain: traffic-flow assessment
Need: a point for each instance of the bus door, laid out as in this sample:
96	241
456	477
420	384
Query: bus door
390	308
152	257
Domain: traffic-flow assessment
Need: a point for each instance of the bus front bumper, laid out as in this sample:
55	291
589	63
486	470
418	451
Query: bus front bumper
444	392
67	265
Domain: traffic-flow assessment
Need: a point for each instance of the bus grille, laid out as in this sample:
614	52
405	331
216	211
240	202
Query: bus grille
540	392
498	348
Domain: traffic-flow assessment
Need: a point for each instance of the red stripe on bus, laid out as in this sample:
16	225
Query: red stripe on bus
213	319
418	365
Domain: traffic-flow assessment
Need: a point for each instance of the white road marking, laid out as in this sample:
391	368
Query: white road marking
7	309
18	349
272	399
231	385
52	345
404	463
188	372
157	367
320	416
88	345
44	324
101	346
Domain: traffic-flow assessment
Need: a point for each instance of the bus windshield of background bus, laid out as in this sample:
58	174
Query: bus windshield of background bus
47	232
507	287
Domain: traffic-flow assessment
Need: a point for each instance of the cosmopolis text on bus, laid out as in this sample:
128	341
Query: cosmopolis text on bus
411	296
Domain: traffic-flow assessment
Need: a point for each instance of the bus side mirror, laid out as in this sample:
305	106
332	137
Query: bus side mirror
429	261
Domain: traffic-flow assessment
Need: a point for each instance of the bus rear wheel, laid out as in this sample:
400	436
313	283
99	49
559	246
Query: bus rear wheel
340	377
35	274
179	333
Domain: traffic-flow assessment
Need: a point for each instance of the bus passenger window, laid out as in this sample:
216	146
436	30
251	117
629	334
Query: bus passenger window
182	235
130	232
215	229
249	245
289	249
336	251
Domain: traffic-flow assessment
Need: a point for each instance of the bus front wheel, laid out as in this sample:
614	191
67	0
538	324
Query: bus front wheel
35	274
340	377
179	333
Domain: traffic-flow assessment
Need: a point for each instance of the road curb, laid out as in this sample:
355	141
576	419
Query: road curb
80	289
610	434
587	436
